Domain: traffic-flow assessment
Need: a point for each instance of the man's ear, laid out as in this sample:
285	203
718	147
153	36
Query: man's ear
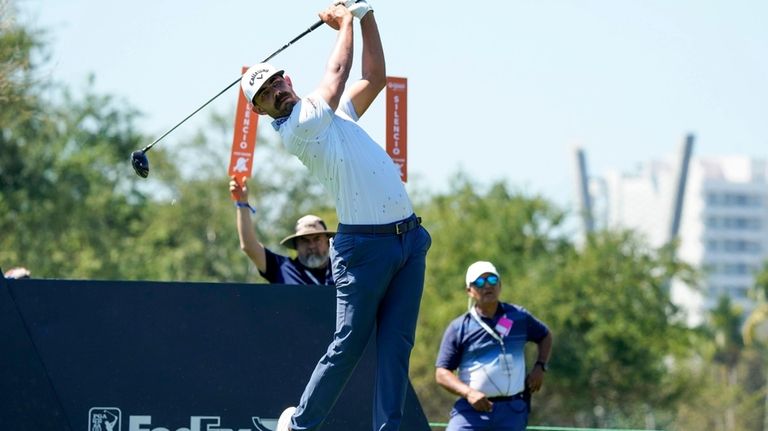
257	109
288	80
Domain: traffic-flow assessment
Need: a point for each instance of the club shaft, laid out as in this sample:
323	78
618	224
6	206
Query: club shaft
148	147
304	33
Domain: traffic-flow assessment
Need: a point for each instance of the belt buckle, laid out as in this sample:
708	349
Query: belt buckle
398	229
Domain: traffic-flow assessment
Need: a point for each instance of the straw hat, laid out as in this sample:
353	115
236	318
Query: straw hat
307	225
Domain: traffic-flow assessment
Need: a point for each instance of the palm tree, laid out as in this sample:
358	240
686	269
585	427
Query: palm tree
725	323
755	331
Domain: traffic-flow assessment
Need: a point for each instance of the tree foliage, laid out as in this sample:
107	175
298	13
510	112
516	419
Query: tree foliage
71	207
614	324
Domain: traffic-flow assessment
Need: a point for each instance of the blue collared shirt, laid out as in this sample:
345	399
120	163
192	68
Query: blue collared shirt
284	270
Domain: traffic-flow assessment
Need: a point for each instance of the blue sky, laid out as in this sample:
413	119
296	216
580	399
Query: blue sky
502	92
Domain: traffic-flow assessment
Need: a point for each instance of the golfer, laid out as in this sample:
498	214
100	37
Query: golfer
378	254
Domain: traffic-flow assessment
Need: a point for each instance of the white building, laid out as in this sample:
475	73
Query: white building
723	227
641	201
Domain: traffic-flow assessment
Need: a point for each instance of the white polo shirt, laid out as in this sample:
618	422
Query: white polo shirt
352	166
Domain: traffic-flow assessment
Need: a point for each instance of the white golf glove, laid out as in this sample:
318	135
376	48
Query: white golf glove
358	8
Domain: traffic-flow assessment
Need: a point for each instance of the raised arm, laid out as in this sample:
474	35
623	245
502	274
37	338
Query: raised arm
374	69
250	245
331	87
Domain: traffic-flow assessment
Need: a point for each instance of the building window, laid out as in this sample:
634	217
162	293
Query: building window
741	246
734	269
734	223
733	246
731	199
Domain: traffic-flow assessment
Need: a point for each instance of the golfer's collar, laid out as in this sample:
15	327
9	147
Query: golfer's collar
277	122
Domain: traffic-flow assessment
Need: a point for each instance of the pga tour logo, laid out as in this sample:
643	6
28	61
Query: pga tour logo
104	419
110	419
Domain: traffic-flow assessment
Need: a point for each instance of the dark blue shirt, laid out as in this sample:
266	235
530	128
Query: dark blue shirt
284	270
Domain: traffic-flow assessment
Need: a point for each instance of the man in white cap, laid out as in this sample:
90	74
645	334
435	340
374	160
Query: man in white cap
379	252
312	265
486	345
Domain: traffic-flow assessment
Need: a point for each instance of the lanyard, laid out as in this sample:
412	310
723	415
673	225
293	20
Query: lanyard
497	337
309	274
487	328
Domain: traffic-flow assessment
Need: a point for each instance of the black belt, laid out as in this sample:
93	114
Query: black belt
398	228
517	396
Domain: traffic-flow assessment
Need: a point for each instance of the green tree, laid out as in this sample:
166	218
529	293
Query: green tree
725	379
16	46
614	327
759	315
754	332
62	165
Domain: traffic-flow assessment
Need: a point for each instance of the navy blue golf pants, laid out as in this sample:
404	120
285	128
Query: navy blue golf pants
509	415
379	281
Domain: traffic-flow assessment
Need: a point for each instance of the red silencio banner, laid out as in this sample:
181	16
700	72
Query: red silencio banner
397	123
244	141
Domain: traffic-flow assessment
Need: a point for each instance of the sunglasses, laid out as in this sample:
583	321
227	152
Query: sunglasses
482	282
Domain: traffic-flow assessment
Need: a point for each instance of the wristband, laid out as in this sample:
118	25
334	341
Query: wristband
246	205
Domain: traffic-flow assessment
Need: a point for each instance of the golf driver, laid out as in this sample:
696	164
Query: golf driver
139	159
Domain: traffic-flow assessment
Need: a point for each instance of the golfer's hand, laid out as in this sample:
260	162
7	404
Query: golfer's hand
238	192
336	15
534	379
479	401
359	8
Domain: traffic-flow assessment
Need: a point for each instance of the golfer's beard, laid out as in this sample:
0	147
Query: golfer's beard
314	260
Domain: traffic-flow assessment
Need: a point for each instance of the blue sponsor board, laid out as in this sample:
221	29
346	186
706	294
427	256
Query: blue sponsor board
152	356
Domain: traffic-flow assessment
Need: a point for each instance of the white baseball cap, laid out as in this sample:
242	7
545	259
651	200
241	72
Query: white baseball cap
479	268
255	77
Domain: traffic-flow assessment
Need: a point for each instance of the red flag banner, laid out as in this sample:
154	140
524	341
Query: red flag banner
397	123
244	141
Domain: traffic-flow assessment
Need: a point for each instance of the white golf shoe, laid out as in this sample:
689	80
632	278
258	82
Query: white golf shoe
284	423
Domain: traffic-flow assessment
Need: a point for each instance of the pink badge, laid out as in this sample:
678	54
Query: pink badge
504	325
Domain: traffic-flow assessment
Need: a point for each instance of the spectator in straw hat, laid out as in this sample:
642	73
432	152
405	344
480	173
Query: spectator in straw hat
310	240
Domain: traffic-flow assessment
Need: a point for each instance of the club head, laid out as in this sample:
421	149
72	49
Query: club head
140	163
